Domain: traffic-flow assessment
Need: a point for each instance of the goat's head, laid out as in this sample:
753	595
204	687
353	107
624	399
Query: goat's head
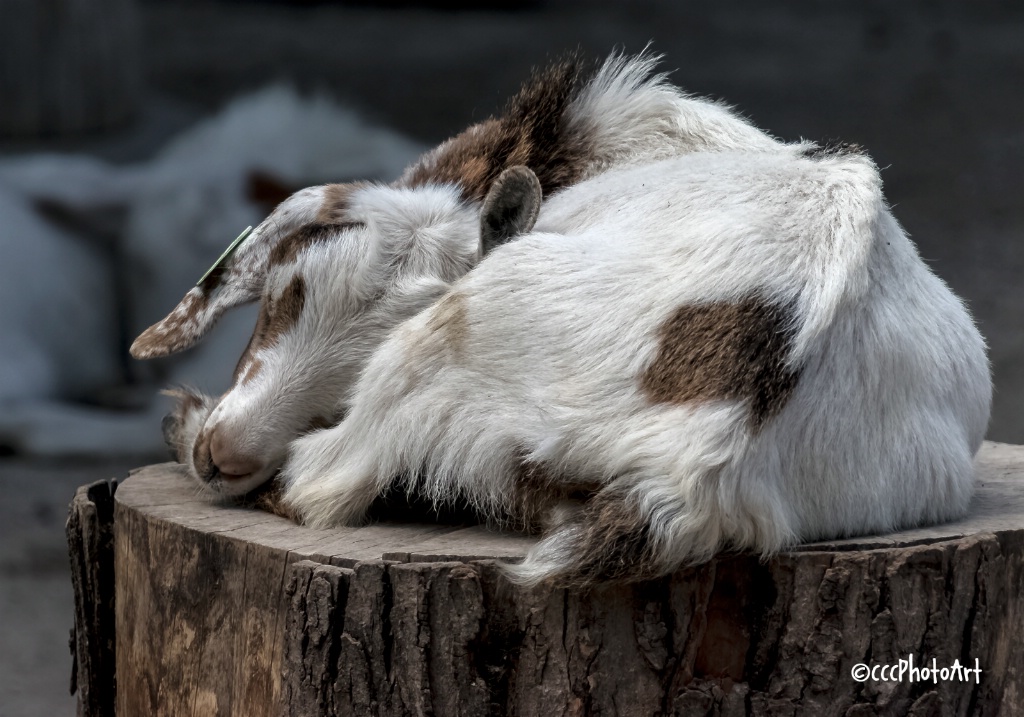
334	269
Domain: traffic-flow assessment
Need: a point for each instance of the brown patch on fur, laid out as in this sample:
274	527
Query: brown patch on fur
269	498
282	313
151	343
475	172
251	347
334	208
319	423
537	492
304	237
168	335
448	321
275	318
532	131
610	540
531	497
722	351
255	366
210	284
197	303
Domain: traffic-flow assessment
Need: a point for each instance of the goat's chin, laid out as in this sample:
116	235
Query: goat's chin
221	486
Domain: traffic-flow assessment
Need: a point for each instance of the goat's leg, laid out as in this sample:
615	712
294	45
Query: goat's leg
646	525
331	476
616	535
607	538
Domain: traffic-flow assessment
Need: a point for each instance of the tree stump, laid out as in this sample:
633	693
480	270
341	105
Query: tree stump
229	611
91	549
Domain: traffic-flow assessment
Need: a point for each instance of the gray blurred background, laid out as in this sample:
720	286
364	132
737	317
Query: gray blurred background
137	137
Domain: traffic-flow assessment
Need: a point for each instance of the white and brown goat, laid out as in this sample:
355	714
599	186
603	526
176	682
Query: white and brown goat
375	255
713	340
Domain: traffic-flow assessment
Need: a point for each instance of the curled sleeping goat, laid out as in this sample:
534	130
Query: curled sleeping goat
336	267
734	346
730	350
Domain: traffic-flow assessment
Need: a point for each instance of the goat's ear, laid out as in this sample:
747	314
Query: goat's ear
510	208
237	278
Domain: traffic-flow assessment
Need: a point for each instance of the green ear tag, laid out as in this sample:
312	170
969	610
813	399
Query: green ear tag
227	252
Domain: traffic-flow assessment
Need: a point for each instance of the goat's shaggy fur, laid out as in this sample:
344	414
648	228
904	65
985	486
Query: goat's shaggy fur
710	337
812	377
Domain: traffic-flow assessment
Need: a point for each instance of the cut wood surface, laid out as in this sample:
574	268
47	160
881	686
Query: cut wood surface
226	610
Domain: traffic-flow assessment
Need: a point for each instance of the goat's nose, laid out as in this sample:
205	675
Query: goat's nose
229	461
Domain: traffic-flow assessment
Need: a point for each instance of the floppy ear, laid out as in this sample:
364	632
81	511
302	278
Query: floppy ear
510	208
236	279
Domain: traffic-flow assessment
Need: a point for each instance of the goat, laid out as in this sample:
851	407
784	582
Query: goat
716	343
729	350
361	258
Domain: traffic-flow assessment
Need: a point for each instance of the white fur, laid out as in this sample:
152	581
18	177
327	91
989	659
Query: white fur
891	404
537	351
358	288
636	116
414	244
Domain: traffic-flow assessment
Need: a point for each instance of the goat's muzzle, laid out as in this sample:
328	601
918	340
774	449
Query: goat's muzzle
229	461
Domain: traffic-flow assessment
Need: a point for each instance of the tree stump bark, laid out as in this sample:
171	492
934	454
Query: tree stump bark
91	550
228	611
